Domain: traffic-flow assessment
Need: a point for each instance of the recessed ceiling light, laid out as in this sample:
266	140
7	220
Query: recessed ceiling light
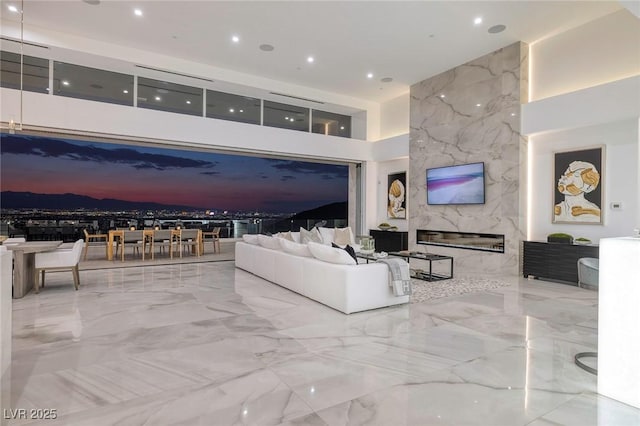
65	82
232	110
477	21
241	110
235	39
96	86
386	80
92	2
125	91
310	59
137	12
341	127
291	119
158	98
12	8
497	29
370	75
286	118
442	96
188	102
478	105
513	114
266	47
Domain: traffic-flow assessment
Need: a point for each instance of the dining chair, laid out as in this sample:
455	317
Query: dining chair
91	239
163	239
190	238
135	240
215	239
59	260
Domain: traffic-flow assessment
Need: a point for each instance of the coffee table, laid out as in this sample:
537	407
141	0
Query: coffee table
429	275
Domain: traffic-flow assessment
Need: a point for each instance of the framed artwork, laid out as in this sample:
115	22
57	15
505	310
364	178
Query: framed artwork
578	186
396	199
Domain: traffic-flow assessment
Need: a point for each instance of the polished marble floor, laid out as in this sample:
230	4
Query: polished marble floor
208	344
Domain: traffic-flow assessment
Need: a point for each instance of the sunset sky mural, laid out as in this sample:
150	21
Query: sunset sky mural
203	180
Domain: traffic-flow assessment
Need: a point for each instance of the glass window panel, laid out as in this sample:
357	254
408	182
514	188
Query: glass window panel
172	97
36	72
226	106
76	81
286	116
328	123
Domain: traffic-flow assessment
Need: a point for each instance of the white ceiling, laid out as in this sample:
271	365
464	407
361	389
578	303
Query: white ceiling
407	41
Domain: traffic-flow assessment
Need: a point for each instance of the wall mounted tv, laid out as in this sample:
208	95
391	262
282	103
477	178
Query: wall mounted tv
463	184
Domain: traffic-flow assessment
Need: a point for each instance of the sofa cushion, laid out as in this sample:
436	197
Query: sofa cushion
286	235
327	235
343	236
296	236
294	248
348	249
310	236
330	254
250	239
269	242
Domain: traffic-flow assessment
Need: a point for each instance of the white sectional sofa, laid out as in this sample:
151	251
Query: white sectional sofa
346	288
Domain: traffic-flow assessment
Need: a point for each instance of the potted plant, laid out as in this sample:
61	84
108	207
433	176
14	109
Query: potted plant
560	237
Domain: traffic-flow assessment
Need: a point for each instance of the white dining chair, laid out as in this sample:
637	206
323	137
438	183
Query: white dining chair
59	260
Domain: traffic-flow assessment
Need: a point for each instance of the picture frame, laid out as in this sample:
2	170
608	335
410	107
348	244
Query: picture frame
396	200
578	193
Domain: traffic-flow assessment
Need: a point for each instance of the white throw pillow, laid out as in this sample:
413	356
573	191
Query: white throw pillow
308	236
330	254
295	249
327	235
269	242
343	236
286	235
296	236
250	239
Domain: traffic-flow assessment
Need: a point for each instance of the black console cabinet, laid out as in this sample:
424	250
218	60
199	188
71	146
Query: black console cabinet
555	261
390	240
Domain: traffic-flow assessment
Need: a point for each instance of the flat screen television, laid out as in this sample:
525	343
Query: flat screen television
463	184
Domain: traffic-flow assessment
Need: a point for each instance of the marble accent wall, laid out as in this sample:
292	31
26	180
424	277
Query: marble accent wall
468	114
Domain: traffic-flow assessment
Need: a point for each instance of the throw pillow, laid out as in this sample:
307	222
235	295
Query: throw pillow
310	236
294	248
327	235
342	236
348	249
330	254
286	235
250	239
269	242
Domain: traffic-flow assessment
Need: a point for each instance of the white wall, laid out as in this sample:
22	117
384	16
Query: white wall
68	115
598	52
394	117
619	176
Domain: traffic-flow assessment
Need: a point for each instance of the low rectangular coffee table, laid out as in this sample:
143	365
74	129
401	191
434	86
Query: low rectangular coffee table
429	275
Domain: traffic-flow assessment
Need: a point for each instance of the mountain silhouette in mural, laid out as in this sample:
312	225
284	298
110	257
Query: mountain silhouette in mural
30	200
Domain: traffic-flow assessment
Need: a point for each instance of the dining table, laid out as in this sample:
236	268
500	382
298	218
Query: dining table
24	264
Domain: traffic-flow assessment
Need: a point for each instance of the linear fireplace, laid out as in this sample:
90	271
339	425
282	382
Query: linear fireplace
464	240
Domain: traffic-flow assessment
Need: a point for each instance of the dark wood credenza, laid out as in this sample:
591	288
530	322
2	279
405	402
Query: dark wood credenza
555	261
390	240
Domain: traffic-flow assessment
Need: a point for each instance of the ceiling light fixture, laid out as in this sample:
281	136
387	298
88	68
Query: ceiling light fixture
158	98
291	119
386	80
310	59
65	83
235	39
241	110
188	102
137	12
478	105
341	127
370	75
266	47
442	96
232	110
477	21
12	8
125	91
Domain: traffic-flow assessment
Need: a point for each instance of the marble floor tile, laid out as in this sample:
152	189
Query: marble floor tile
209	344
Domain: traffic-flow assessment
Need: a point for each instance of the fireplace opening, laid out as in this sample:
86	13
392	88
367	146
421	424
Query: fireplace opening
464	240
